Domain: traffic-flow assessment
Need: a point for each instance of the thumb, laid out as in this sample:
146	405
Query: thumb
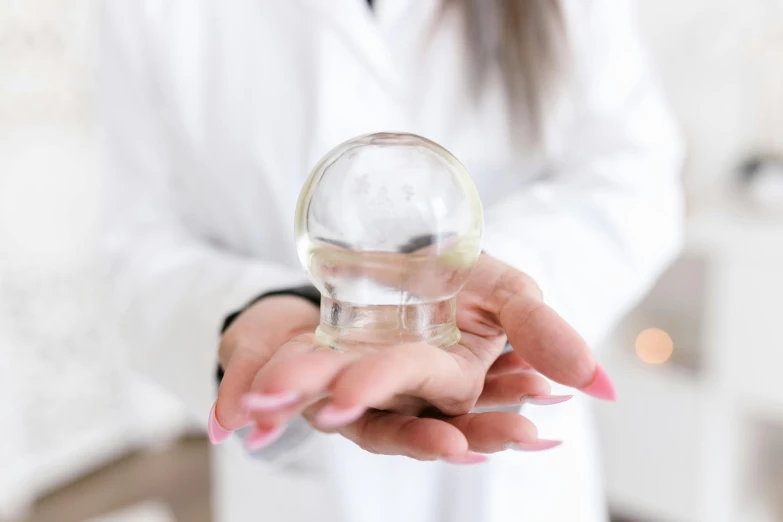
535	331
553	347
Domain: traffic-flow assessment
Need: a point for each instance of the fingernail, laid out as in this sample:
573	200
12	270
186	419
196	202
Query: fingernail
547	400
258	438
268	401
601	386
217	433
467	458
539	445
332	417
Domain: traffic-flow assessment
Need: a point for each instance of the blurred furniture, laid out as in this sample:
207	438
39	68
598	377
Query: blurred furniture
169	484
67	404
699	438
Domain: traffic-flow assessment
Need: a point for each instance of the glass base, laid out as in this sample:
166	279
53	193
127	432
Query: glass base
345	325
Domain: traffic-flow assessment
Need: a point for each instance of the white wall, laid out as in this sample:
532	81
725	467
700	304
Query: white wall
721	62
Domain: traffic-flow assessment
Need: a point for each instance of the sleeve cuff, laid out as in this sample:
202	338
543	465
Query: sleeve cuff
308	292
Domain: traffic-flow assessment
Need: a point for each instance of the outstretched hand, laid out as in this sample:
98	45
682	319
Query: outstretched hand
409	399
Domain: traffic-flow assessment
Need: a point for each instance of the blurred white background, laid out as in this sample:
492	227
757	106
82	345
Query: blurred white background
692	440
66	403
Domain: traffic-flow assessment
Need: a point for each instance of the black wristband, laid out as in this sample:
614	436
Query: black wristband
308	292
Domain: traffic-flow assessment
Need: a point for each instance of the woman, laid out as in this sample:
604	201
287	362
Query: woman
216	112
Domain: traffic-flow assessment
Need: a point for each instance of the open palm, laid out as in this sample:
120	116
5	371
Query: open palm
415	399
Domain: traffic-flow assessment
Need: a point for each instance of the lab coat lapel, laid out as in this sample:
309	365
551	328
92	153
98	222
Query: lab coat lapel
355	22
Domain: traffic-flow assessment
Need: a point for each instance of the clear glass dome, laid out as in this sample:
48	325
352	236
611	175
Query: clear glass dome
388	227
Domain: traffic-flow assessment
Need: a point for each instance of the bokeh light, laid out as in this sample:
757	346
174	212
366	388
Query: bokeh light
654	346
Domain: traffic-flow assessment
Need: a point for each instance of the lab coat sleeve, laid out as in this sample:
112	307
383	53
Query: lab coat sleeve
597	231
173	288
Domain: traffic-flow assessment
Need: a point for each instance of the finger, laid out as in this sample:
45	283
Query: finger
536	331
237	379
420	370
511	389
299	373
300	366
245	347
547	342
497	431
395	434
507	363
387	433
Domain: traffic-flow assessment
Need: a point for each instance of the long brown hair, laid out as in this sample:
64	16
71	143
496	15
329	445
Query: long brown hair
527	40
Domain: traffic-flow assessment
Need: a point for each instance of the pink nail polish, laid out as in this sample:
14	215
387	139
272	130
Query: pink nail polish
547	400
601	386
258	438
467	458
539	445
268	401
333	417
217	433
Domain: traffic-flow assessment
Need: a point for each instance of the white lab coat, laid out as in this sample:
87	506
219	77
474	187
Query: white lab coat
215	112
